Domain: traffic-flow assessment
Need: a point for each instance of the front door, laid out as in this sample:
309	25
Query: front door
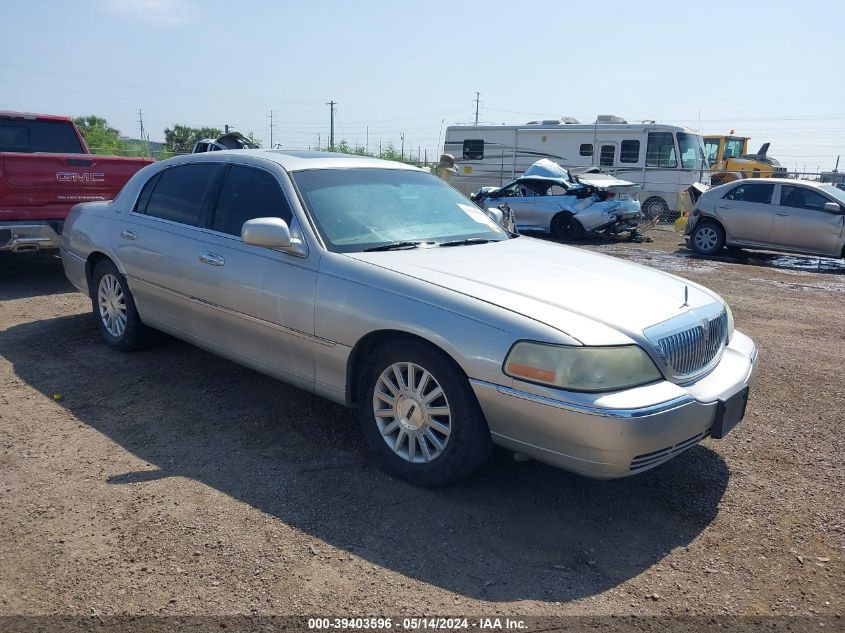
801	223
254	303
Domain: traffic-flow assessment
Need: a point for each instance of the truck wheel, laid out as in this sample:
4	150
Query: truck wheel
420	416
566	228
707	238
114	308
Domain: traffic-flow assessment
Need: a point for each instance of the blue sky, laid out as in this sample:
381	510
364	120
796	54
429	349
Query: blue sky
771	70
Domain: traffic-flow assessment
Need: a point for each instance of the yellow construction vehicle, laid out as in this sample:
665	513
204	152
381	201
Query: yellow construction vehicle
729	160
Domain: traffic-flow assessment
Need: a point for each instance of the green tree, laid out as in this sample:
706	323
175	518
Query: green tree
100	137
181	138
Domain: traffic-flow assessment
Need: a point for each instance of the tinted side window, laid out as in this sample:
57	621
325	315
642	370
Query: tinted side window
180	192
474	149
802	198
606	155
661	150
629	152
586	149
248	193
751	193
13	137
146	192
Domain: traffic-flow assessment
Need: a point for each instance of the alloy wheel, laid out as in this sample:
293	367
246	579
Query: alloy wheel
412	412
112	305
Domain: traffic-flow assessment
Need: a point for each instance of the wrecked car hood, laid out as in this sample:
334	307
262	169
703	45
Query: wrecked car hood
567	288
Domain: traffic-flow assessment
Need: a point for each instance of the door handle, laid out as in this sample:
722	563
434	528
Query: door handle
211	259
724	205
783	215
128	235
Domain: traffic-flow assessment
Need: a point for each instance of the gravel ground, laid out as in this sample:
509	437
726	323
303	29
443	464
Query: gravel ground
171	481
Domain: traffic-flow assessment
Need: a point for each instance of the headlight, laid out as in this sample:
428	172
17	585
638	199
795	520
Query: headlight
581	368
730	322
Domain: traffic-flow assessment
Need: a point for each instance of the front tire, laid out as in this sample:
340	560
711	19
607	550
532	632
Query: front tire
114	308
420	417
707	238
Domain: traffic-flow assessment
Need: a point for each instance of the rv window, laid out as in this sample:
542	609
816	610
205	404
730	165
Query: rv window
692	150
473	149
606	155
586	149
629	152
661	150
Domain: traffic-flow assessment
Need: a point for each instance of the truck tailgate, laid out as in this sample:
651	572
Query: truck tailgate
44	186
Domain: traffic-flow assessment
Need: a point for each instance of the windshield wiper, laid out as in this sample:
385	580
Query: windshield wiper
395	246
467	242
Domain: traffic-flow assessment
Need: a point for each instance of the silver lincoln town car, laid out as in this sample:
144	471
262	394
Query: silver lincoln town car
378	286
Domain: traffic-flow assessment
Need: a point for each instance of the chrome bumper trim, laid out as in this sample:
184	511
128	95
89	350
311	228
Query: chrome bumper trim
30	237
600	411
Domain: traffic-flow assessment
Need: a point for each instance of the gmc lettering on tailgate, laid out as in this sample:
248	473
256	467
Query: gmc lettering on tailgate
73	176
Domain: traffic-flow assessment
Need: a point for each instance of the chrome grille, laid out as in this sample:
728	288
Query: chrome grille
691	350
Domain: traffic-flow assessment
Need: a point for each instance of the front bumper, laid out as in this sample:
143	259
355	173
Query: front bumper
606	436
29	237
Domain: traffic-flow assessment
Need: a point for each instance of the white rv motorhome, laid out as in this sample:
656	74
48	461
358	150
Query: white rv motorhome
663	159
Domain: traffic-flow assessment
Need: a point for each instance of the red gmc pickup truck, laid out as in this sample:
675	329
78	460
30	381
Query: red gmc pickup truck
45	169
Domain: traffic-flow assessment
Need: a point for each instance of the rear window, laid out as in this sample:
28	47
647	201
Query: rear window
39	136
181	192
751	193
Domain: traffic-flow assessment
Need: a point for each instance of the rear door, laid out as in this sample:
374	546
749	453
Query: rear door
746	212
159	241
801	223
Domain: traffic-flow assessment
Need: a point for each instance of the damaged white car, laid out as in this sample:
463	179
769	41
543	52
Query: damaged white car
549	198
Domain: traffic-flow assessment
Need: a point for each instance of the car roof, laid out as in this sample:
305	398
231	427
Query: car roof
783	181
291	160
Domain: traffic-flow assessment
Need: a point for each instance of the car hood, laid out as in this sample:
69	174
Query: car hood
570	289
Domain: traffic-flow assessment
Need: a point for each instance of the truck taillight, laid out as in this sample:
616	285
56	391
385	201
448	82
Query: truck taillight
611	194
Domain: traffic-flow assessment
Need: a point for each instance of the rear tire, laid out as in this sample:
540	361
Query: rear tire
566	228
707	238
114	308
424	425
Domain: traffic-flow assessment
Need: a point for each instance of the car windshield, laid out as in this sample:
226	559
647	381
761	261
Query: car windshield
362	208
692	150
834	192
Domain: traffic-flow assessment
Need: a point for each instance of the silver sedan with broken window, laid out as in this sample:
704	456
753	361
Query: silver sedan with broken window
378	286
550	199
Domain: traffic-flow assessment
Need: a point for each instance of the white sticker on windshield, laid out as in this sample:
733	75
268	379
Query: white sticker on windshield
478	215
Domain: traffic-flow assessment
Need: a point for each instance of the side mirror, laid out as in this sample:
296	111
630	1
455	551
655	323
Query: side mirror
832	207
496	215
266	232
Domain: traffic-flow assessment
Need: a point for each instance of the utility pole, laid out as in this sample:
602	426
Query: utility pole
477	98
367	148
331	105
141	122
226	128
271	129
403	145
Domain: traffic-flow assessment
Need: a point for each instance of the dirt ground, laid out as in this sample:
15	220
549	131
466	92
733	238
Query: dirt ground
170	481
